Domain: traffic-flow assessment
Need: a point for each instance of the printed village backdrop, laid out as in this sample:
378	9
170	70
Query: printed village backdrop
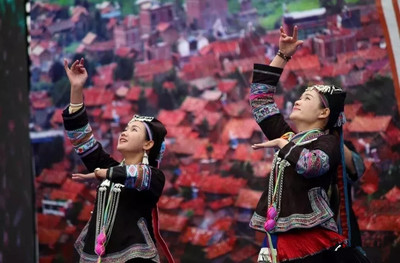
189	63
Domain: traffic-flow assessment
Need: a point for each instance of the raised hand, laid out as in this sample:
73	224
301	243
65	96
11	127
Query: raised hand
77	74
277	143
289	44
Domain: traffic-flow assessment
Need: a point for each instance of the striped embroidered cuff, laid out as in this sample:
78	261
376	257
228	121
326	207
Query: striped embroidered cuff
86	147
262	101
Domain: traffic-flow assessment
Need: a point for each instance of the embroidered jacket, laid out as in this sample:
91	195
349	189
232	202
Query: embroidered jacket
132	235
308	166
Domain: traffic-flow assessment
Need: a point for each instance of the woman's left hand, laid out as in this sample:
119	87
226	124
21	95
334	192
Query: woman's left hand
276	143
98	173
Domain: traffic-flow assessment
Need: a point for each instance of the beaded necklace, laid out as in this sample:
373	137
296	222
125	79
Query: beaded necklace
105	218
277	173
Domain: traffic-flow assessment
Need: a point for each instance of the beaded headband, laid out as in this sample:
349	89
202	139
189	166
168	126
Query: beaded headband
144	119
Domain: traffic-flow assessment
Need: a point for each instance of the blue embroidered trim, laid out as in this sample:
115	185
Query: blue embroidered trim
86	146
262	101
322	215
312	163
76	135
143	250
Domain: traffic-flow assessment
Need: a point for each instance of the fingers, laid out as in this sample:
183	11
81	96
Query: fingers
260	145
66	64
295	31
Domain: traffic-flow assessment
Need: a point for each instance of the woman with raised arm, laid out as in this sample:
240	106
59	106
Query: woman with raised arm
294	210
122	227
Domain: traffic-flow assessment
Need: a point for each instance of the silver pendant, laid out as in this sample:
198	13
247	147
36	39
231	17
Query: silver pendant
265	255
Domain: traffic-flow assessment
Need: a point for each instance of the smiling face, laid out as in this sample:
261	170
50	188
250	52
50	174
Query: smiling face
133	138
309	109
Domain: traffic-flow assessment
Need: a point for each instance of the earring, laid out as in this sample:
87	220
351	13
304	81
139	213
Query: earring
145	158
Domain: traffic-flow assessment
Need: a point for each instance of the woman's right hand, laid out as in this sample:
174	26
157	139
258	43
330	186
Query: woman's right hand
288	44
77	74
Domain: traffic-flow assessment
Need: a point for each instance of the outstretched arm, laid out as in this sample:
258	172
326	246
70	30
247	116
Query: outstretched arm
263	87
76	121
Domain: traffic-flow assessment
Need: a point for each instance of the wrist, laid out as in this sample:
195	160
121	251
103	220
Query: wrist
97	173
284	56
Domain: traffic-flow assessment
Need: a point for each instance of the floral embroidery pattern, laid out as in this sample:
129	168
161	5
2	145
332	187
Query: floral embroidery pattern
312	163
262	102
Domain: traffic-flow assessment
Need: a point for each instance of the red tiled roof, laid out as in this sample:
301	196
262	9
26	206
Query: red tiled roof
168	85
393	195
51	176
197	236
212	118
380	223
186	146
197	205
237	109
63	195
304	63
221	48
101	46
370	124
172	223
227	85
171	118
189	179
163	26
199	66
223	224
169	202
218	153
218	204
49	237
352	110
244	152
261	168
120	110
194	105
74	187
57	117
86	212
50	221
220	248
105	75
149	69
244	253
239	129
97	97
334	70
178	131
248	198
222	185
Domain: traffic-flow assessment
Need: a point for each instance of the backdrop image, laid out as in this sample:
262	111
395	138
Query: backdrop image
189	63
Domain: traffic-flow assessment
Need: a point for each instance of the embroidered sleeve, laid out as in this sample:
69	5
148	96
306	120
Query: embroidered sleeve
312	163
132	176
88	148
264	108
262	101
83	140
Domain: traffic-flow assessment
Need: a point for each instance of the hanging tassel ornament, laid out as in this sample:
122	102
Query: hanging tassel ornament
100	241
145	158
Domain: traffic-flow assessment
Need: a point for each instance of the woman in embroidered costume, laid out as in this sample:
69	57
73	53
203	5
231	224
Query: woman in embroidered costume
294	211
121	228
